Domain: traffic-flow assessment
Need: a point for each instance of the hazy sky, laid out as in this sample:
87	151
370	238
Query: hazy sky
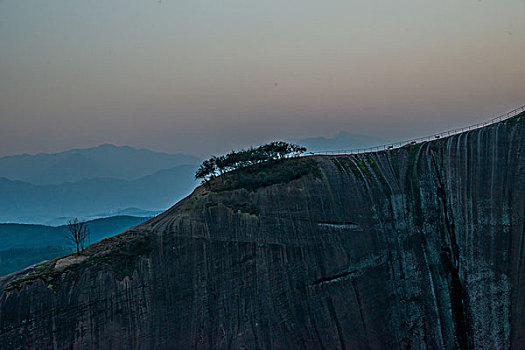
206	76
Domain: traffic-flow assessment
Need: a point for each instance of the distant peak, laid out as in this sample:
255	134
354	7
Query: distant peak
108	145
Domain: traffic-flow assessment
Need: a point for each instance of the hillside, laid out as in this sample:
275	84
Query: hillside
24	245
418	247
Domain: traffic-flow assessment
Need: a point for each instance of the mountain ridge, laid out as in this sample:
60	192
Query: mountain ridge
103	161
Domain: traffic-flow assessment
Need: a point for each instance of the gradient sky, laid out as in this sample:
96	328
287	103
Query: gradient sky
204	77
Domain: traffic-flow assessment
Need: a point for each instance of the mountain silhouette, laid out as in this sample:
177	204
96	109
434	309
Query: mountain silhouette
121	162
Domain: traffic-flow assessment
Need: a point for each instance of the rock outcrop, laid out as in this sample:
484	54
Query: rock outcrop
418	247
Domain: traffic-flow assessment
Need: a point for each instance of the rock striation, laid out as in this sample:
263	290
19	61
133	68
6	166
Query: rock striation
419	247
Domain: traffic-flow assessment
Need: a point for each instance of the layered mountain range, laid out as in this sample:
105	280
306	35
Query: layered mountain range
418	247
93	182
106	160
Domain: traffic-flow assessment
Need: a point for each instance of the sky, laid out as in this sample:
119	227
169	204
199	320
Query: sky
205	77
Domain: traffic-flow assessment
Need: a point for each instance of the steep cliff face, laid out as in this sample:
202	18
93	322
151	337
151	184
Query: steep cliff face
419	247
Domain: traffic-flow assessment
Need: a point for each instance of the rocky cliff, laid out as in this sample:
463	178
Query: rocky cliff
418	247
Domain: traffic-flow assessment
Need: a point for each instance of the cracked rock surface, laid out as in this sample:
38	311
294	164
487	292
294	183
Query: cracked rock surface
420	247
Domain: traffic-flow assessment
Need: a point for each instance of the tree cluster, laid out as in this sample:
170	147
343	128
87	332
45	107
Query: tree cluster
218	165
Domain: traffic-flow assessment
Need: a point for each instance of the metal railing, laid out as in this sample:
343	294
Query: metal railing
395	145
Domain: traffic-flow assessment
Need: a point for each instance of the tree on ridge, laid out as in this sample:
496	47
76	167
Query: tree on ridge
218	165
78	232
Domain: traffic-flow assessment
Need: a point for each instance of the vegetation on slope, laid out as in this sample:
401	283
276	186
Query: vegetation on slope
24	245
265	174
121	253
241	159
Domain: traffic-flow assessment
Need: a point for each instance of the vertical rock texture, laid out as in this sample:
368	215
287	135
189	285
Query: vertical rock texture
419	247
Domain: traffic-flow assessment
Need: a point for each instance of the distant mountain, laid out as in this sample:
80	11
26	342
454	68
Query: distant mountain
121	162
23	202
342	141
133	212
24	245
136	212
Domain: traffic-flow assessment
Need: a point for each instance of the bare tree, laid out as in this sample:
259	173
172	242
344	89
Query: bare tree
78	233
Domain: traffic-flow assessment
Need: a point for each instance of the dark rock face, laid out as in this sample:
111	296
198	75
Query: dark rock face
420	247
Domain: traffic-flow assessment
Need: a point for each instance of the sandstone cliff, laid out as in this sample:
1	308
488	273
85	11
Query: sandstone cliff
418	247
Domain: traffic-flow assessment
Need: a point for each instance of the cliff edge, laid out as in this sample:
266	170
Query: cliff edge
417	247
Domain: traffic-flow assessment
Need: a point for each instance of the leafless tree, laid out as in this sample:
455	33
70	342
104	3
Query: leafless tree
78	233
